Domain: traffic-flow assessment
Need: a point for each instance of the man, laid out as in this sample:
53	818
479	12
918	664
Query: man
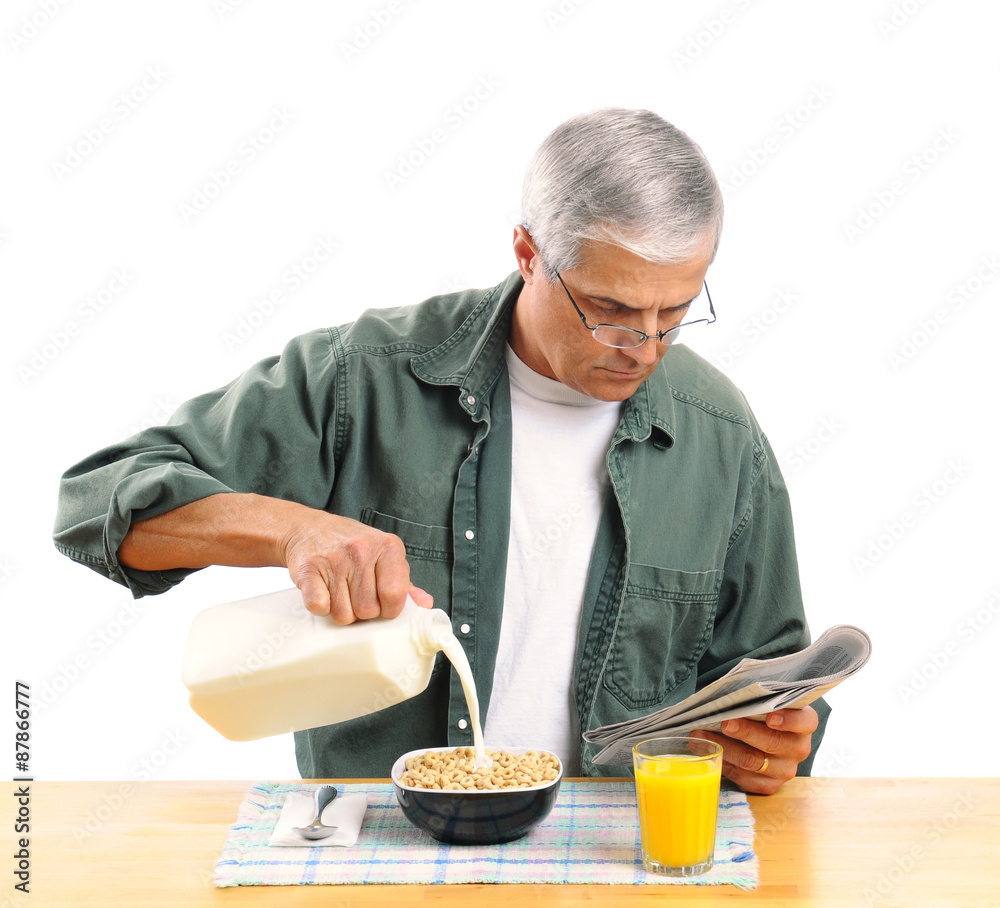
597	509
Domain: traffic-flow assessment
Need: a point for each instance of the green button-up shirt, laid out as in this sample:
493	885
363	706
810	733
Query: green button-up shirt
402	420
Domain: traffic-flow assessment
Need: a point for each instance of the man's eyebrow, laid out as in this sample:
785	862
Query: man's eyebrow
613	302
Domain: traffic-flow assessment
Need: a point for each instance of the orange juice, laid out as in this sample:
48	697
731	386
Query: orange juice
678	803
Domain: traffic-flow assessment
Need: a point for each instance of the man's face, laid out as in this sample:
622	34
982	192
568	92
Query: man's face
611	286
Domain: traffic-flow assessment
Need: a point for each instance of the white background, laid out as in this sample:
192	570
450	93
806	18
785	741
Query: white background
858	144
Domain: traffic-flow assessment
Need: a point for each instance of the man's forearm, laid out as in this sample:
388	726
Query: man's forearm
344	568
235	529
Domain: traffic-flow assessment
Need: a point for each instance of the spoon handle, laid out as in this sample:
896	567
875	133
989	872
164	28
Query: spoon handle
325	794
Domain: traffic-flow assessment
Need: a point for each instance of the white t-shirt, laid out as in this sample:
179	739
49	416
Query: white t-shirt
558	480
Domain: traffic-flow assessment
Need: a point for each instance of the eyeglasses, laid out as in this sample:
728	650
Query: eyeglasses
627	338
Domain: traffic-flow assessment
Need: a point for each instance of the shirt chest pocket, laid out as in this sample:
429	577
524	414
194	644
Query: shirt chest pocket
665	624
428	552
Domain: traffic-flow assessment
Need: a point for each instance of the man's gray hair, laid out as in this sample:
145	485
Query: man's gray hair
626	177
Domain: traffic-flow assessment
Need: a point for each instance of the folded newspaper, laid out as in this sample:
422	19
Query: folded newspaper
752	689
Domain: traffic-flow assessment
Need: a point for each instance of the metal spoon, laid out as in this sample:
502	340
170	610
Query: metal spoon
317	830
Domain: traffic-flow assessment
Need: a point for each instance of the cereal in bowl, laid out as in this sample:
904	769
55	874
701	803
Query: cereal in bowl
453	769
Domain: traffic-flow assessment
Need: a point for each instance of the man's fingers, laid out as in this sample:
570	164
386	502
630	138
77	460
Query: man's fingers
320	600
799	721
787	743
738	754
342	608
761	756
362	593
355	565
346	569
421	597
315	594
392	577
756	734
745	765
751	782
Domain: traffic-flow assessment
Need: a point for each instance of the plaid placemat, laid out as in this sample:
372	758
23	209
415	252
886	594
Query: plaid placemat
591	836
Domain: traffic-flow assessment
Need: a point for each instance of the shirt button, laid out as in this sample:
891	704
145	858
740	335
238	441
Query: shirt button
465	628
470	535
470	400
463	724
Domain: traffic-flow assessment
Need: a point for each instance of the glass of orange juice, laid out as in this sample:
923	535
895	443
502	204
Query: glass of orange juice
677	785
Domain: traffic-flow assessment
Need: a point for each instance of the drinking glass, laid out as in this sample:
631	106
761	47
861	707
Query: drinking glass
677	785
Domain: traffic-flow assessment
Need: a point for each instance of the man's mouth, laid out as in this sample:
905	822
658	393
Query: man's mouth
625	373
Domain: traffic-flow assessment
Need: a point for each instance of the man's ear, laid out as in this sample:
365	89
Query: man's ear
529	262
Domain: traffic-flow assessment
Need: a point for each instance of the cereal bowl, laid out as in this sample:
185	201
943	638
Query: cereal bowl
472	816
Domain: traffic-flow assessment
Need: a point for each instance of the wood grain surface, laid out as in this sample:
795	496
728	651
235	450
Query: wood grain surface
835	842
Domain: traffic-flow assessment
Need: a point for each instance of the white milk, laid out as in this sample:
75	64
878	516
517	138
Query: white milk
460	662
266	666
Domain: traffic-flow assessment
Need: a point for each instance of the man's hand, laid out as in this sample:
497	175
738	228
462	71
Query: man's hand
348	570
761	756
343	568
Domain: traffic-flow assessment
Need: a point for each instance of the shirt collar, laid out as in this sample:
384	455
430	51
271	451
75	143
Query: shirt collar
474	357
650	411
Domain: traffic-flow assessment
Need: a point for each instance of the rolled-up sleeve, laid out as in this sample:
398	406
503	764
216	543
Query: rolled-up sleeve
267	432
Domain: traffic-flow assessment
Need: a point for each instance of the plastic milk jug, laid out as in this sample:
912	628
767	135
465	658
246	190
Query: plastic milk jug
266	666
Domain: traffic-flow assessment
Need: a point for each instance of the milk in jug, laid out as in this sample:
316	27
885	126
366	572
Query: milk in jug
266	666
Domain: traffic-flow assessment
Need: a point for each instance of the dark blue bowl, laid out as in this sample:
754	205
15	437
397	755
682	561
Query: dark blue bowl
474	817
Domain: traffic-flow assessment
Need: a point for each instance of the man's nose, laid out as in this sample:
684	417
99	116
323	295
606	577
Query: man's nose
648	353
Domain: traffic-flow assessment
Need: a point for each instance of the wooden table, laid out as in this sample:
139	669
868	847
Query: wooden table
838	842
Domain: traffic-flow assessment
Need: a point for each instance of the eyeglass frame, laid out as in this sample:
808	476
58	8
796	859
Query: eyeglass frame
661	336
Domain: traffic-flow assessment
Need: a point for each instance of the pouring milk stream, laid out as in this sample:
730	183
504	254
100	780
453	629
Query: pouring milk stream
266	666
